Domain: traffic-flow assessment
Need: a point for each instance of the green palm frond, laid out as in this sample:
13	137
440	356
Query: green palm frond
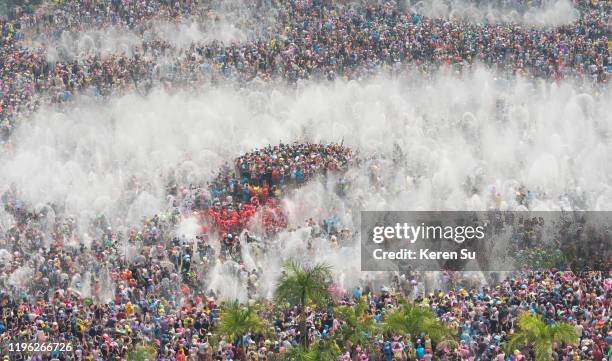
532	324
543	350
322	351
298	354
142	353
435	329
517	341
395	321
237	320
416	320
357	325
534	332
564	332
299	284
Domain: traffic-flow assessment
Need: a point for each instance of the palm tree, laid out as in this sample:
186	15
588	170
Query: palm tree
324	350
416	320
142	353
358	325
534	332
300	285
297	354
237	320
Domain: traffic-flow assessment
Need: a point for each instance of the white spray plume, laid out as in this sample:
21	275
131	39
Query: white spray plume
549	13
72	45
21	277
553	138
226	22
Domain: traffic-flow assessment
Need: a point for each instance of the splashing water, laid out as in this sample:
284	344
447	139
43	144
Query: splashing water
549	13
448	143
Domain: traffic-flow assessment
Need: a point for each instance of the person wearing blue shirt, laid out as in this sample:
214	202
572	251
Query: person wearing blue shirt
388	351
299	176
420	351
357	293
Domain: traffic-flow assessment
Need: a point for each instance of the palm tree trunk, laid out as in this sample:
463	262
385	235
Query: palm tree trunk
302	321
241	342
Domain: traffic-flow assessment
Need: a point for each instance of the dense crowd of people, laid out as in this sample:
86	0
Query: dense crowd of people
260	177
45	260
306	40
145	287
256	184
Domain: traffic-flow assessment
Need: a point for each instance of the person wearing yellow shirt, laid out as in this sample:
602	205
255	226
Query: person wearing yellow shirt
188	322
129	309
82	324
